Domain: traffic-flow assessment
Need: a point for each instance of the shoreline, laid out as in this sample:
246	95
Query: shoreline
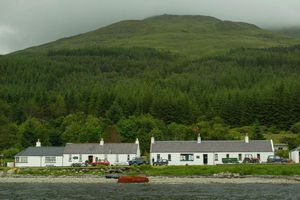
93	179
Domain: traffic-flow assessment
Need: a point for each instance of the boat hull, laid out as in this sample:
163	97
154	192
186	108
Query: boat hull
133	179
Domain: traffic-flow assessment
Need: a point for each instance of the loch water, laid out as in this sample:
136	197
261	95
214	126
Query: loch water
148	191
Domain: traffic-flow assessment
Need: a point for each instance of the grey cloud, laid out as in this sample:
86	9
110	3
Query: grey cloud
24	23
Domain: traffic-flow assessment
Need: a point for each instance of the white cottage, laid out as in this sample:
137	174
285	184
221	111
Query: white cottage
209	152
295	155
39	156
115	153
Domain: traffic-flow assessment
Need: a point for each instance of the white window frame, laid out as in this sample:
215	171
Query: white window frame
22	159
186	157
50	159
216	157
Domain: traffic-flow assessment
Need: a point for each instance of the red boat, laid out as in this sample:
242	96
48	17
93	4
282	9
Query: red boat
133	179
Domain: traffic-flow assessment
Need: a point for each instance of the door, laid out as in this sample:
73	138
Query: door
205	159
90	159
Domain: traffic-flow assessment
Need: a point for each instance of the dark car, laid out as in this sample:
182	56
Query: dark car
137	161
79	165
161	162
276	159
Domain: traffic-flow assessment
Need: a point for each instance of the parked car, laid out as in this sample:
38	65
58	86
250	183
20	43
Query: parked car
161	162
79	165
230	160
100	162
137	161
250	159
276	159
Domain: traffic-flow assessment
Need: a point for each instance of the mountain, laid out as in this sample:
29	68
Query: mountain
190	35
293	32
164	76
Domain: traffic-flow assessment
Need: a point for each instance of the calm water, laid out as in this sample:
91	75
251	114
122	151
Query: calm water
149	191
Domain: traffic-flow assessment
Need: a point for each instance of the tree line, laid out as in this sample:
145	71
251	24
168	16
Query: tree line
79	95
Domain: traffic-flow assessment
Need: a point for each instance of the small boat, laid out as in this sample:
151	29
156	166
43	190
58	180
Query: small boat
112	176
133	179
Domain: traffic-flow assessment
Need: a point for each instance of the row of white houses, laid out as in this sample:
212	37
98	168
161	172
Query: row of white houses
196	152
115	153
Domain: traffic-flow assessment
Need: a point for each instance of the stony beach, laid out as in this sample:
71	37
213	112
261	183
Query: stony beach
155	179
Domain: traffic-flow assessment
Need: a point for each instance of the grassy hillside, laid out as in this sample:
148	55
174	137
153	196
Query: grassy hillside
290	32
164	76
190	35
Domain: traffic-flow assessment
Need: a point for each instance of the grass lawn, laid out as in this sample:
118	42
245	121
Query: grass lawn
289	169
249	169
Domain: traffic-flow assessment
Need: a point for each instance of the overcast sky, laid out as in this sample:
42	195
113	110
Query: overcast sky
24	23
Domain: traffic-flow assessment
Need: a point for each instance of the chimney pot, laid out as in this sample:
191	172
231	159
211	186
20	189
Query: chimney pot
199	139
246	138
152	140
101	142
38	143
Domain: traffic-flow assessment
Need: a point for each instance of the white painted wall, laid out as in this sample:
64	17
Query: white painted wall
112	158
295	156
198	157
39	161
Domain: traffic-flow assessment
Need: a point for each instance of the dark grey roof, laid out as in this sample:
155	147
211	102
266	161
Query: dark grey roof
96	148
279	145
42	151
296	149
212	146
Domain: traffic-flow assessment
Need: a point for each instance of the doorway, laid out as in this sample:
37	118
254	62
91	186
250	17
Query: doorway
205	159
91	159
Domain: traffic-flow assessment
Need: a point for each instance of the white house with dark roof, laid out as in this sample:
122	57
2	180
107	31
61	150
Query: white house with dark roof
209	152
295	155
39	156
115	153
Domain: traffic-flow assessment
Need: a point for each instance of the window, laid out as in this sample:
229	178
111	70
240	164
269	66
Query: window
186	157
216	157
75	157
198	157
280	148
21	159
80	158
169	157
70	157
258	156
227	155
128	157
50	159
158	157
240	156
105	157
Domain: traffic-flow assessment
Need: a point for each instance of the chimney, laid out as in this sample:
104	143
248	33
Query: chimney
152	140
101	142
38	143
199	139
137	141
246	138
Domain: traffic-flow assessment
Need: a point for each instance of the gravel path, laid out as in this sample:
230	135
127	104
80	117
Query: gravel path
153	180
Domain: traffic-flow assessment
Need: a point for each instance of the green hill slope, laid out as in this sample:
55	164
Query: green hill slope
119	83
190	35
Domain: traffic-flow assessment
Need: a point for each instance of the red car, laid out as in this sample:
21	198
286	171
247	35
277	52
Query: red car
101	162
